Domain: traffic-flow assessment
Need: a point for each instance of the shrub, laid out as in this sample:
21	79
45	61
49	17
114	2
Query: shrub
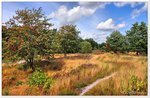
19	83
136	84
48	84
39	78
85	47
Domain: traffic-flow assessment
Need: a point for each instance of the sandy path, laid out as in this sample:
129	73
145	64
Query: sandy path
87	88
21	62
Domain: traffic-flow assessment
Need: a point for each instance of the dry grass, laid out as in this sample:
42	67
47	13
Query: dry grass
76	71
119	84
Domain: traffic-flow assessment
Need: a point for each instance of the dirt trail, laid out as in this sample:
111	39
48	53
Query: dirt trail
87	88
23	61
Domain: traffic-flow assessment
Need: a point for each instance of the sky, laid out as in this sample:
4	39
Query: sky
95	20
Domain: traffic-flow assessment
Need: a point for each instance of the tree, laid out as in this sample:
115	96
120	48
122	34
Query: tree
69	39
47	43
85	47
93	43
125	46
25	31
115	41
137	38
102	46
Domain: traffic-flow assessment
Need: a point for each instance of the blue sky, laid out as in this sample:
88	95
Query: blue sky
95	20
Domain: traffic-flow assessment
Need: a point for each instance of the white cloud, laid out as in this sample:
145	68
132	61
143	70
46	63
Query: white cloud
109	25
93	4
137	12
132	4
70	16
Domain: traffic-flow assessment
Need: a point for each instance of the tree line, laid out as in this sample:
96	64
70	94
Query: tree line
29	34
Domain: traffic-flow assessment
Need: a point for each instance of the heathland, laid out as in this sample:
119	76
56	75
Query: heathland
72	73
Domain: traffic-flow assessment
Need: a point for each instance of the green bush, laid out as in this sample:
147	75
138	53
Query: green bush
19	83
39	78
85	47
48	83
136	84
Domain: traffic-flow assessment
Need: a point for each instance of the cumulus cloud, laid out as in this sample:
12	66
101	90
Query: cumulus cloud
109	25
93	4
137	12
70	16
132	4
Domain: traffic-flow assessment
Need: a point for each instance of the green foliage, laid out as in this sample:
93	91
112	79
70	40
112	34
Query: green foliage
102	46
19	83
136	84
68	39
85	47
137	38
47	43
116	41
25	40
48	84
39	78
93	43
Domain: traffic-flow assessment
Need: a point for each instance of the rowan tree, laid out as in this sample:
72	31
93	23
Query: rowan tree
25	35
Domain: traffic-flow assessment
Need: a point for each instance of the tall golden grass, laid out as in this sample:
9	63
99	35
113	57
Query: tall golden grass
77	71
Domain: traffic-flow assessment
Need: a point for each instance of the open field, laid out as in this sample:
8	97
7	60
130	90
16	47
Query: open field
76	71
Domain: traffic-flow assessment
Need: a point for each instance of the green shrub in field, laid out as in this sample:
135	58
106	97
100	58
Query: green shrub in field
136	84
39	78
47	84
85	47
19	83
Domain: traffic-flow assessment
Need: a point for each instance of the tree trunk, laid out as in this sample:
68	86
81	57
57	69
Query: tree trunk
137	53
31	64
53	56
65	54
